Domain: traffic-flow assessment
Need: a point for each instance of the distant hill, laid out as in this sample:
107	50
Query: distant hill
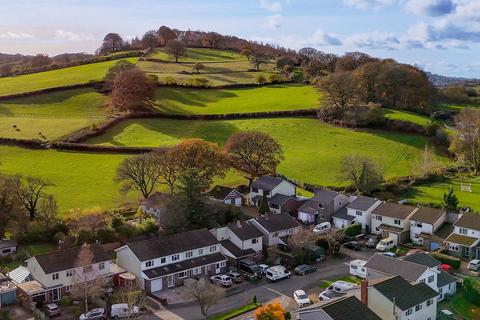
445	81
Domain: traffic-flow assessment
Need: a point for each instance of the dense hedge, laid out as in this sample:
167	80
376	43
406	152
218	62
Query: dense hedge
353	230
98	148
180	84
24	143
54	89
443	258
472	290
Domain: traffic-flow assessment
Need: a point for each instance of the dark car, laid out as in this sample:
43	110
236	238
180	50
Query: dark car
353	245
236	277
304	269
52	310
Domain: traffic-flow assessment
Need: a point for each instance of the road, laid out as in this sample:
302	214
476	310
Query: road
265	292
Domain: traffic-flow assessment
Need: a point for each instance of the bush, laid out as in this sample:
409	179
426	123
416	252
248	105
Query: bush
66	301
261	79
85	236
276	78
472	290
106	235
117	222
443	258
59	236
198	82
353	230
171	81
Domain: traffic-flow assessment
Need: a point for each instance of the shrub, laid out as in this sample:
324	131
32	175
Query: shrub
106	235
59	236
432	128
117	222
198	82
443	258
170	81
85	236
254	299
472	290
261	79
66	301
353	230
276	78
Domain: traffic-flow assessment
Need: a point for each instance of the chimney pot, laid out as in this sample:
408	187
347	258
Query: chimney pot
364	292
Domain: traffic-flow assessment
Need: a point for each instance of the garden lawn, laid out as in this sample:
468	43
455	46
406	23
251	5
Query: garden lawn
220	101
432	193
29	251
407	116
200	55
313	150
460	306
56	78
50	115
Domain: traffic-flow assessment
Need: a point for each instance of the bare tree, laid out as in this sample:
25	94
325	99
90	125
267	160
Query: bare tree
257	59
254	153
364	173
340	89
30	194
466	142
135	300
132	91
10	205
334	238
114	71
427	163
247	52
168	168
48	211
112	43
150	40
205	293
140	173
198	67
211	39
176	48
166	34
302	240
307	54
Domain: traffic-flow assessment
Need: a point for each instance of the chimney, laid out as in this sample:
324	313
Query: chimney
239	224
364	292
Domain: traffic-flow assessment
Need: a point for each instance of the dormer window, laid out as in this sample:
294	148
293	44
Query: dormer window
188	254
463	231
213	248
101	265
379	218
175	257
418	224
70	272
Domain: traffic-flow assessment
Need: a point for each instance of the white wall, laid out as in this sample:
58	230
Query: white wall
470	232
128	261
404	224
285	188
366	218
416	230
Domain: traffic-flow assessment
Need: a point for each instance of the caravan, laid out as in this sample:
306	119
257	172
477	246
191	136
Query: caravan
387	244
357	268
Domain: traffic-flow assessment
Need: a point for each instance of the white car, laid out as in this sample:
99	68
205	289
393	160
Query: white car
121	310
327	295
301	298
474	265
263	268
322	228
94	314
221	280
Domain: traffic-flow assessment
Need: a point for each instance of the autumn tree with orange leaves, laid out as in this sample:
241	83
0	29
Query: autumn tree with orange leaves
272	311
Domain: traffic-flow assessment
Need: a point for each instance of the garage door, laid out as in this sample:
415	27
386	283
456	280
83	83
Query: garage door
156	285
393	235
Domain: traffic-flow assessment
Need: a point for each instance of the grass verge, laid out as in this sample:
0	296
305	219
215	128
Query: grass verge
236	312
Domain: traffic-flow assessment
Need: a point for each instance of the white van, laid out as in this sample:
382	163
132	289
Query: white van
342	286
322	228
357	268
474	265
276	273
387	244
121	310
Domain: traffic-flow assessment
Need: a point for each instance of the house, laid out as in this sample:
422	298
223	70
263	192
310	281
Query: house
394	298
156	204
240	240
423	225
344	308
165	262
7	291
446	283
392	220
321	206
359	210
56	273
276	228
277	191
7	247
226	195
463	241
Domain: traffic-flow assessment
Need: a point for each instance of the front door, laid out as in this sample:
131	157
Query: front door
466	252
56	294
171	281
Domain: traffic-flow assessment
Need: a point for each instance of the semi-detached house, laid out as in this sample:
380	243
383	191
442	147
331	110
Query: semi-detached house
359	210
165	262
392	220
277	191
322	206
276	228
424	223
465	238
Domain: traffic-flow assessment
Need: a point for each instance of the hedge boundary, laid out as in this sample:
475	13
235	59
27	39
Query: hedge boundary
89	84
83	147
24	143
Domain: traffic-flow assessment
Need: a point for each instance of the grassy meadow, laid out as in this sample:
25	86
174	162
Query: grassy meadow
313	150
219	101
50	116
408	116
210	67
56	78
200	55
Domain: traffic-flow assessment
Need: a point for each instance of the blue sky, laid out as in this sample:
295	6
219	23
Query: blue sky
442	36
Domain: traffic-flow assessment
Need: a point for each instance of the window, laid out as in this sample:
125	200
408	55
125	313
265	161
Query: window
70	273
254	190
423	280
68	288
101	265
223	264
182	275
55	276
274	206
197	271
149	264
430	279
213	248
429	302
397	221
275	235
175	257
408	312
321	206
200	252
463	231
418	307
418	224
379	218
416	236
5	251
255	240
453	247
163	260
358	213
188	254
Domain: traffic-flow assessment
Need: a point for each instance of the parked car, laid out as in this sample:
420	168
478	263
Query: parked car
236	276
221	280
389	254
249	267
371	242
263	268
284	247
276	273
357	268
327	295
322	228
52	310
121	310
353	245
301	298
341	286
94	314
304	269
474	265
386	244
446	268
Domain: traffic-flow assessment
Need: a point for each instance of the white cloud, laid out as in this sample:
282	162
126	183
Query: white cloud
72	36
272	6
432	8
321	38
273	22
374	40
369	4
16	35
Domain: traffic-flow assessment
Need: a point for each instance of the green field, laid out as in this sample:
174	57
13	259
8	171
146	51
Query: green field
52	115
210	67
313	150
220	79
200	55
407	116
218	101
56	78
457	106
433	192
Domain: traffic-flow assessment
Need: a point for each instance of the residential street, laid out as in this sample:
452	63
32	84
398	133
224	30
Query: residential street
331	269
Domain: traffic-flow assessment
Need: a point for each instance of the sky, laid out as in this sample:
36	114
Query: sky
441	36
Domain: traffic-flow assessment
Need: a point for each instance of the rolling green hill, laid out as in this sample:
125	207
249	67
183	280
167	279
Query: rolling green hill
200	55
